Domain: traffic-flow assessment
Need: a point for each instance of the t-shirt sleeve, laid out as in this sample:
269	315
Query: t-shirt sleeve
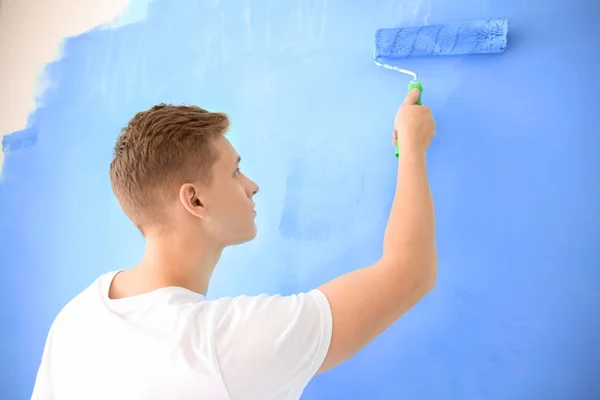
272	346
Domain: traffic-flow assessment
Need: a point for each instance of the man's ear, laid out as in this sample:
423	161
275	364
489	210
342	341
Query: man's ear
191	200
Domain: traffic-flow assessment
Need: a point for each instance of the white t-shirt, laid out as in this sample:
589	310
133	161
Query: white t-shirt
172	343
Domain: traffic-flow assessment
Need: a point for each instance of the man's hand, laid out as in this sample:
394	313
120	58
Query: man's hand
414	126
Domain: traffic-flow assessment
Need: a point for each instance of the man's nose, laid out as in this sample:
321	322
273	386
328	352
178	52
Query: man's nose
254	189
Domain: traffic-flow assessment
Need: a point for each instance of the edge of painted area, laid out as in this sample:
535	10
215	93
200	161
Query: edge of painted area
21	98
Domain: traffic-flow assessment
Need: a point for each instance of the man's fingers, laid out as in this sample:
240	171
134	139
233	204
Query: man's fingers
412	97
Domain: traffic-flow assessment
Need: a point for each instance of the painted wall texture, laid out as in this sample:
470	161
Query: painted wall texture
514	170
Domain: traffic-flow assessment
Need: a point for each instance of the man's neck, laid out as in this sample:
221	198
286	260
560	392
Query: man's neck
174	259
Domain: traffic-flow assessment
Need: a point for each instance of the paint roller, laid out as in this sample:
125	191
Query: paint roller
462	38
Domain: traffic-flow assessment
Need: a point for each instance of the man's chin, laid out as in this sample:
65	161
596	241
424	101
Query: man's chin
247	238
252	234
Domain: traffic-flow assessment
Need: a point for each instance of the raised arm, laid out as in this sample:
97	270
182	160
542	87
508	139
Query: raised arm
365	302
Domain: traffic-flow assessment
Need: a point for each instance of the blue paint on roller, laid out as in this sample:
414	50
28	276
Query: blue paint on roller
475	37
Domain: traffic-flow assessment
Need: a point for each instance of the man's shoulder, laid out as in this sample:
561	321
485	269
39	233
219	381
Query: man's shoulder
271	308
83	303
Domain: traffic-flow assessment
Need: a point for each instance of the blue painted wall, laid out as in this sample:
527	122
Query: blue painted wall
514	171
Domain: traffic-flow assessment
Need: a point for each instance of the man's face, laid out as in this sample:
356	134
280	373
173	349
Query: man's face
229	205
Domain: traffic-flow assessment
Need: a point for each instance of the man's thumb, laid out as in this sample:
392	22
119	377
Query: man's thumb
412	97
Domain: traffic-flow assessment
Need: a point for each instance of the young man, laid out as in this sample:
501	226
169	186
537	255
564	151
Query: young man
149	332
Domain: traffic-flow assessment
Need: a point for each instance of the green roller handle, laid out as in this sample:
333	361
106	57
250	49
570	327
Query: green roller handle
411	86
